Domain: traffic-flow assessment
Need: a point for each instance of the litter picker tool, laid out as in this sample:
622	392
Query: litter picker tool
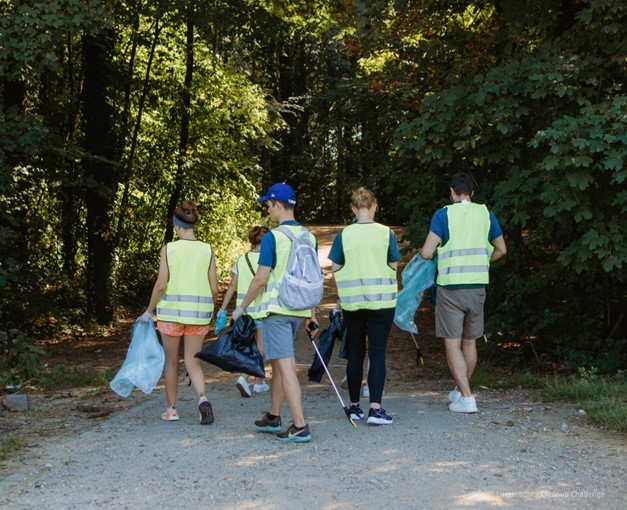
312	327
419	359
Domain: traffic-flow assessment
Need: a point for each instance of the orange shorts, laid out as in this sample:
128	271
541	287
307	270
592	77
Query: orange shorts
176	329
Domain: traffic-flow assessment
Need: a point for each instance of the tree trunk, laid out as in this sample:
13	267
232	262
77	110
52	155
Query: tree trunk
131	158
100	172
185	120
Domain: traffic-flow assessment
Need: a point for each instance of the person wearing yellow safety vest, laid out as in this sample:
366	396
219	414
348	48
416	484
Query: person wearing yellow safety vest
279	324
183	297
364	259
467	238
243	273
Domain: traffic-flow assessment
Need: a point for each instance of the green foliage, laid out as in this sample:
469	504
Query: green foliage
543	133
21	360
603	398
64	376
11	443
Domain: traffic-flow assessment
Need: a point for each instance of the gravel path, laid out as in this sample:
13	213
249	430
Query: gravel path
515	453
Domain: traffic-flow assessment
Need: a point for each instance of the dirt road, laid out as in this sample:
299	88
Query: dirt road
517	452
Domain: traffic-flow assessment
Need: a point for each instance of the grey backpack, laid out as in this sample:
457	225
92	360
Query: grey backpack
301	288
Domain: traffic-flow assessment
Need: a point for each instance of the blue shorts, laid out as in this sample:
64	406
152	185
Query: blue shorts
278	333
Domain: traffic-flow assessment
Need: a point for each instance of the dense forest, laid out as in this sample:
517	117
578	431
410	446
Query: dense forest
114	111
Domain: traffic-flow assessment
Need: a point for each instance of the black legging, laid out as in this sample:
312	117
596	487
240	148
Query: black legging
375	325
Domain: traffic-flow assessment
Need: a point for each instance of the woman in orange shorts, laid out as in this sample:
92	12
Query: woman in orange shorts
183	296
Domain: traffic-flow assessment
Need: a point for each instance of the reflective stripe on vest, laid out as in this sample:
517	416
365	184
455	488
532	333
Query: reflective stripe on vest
269	302
366	281
244	278
465	259
188	298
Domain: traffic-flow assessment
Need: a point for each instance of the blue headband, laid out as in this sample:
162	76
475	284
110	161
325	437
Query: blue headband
181	223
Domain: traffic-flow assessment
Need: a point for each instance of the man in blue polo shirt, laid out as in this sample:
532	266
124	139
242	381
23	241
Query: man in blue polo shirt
467	238
279	323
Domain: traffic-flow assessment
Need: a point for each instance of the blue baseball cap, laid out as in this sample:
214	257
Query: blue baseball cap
280	191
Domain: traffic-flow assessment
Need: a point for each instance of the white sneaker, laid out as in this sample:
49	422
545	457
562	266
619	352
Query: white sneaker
454	395
366	392
260	388
243	387
464	405
344	382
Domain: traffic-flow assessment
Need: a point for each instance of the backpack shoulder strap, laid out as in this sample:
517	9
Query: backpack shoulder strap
290	234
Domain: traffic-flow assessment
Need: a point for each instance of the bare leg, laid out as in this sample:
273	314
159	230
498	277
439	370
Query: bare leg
192	345
171	367
469	351
457	365
278	395
291	389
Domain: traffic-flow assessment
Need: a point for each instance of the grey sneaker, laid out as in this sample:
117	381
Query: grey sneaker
295	435
267	424
464	405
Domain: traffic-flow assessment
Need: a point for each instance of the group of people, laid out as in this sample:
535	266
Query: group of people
465	236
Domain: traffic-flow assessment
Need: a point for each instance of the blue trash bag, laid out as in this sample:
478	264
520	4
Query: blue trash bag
220	321
144	361
418	275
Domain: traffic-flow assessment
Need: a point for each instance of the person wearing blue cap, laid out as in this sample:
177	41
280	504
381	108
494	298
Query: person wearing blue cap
279	323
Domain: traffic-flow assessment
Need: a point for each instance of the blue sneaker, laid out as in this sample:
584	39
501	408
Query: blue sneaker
356	412
267	424
379	417
295	435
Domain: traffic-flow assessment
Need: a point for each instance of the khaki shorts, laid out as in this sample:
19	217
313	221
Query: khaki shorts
459	313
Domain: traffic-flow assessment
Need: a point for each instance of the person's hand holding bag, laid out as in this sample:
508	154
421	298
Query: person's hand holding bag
146	316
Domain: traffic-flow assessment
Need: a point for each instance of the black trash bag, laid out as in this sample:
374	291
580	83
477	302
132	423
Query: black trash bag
326	342
235	350
244	330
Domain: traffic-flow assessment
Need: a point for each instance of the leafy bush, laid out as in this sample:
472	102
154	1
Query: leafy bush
21	360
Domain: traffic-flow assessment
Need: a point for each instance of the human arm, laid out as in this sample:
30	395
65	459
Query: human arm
255	287
213	277
160	285
229	292
430	246
499	248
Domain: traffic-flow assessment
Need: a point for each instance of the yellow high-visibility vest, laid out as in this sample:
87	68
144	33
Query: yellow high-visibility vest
366	281
270	303
465	258
244	278
187	298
